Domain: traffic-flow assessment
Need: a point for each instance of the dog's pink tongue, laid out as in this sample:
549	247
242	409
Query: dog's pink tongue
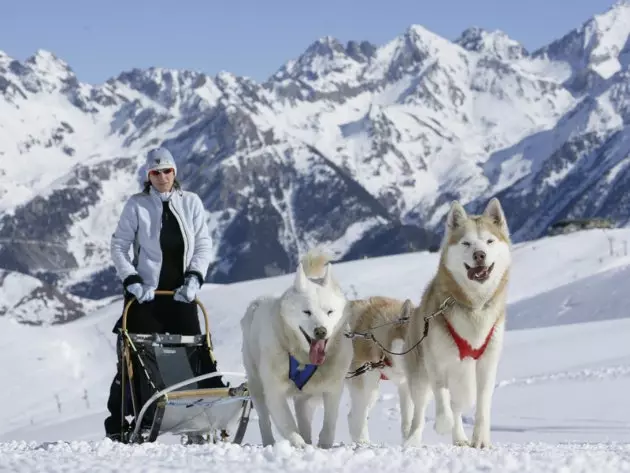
477	272
317	353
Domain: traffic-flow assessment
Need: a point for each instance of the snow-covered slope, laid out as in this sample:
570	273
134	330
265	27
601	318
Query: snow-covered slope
544	417
358	146
31	301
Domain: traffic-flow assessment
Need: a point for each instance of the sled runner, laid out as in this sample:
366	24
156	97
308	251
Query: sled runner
170	384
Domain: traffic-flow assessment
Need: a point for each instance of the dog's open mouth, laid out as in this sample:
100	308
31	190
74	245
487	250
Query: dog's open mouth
479	273
317	352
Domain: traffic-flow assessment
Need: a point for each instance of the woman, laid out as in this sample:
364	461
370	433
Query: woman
166	226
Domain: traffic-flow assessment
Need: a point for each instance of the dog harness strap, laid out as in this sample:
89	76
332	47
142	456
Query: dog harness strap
298	376
465	350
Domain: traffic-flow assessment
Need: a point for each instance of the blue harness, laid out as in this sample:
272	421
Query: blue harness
298	376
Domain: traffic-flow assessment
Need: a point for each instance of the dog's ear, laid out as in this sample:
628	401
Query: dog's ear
301	280
494	212
327	275
406	310
456	216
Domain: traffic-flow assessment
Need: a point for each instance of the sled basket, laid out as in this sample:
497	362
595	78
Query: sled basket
171	385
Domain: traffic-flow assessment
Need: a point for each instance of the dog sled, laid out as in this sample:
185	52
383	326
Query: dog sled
170	384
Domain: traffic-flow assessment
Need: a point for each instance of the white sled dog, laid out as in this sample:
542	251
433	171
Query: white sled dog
381	317
294	347
458	359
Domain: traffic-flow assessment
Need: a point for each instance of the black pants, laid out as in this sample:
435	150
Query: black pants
161	315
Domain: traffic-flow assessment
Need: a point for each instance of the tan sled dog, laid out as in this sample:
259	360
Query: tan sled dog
379	316
458	359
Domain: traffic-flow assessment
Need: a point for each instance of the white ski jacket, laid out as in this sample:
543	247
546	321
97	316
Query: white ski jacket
139	227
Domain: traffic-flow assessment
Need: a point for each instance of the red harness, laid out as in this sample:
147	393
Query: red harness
464	347
387	362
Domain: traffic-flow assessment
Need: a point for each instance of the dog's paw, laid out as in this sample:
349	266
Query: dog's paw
463	442
481	439
325	444
414	440
296	440
443	424
361	441
326	439
480	443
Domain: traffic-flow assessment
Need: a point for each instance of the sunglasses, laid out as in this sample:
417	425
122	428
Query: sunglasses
157	172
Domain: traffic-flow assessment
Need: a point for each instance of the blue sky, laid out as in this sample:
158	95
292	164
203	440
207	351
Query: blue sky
254	37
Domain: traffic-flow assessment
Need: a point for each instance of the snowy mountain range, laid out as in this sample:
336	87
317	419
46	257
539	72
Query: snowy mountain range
357	146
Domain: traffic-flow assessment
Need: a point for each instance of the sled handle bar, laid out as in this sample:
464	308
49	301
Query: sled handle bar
168	293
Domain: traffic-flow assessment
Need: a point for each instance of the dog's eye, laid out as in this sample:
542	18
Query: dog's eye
466	244
308	312
490	241
329	313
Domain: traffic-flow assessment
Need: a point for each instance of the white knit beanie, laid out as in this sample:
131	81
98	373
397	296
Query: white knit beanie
160	158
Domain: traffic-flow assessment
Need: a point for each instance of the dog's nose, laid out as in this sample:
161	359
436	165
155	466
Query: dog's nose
320	333
479	256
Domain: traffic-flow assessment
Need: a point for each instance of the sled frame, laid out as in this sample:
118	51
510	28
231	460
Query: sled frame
233	400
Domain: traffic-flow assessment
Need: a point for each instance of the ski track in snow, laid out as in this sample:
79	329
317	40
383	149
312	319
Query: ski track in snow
105	456
608	372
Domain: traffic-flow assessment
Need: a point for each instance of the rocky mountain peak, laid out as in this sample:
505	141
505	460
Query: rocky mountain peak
599	47
495	44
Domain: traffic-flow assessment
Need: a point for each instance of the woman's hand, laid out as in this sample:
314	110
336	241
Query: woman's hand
142	293
188	291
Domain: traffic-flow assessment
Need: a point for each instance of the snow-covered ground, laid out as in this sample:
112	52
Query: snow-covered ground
561	402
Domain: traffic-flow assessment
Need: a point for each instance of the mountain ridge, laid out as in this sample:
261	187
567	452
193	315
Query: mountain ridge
360	147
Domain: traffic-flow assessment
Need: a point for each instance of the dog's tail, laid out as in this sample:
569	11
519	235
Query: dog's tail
314	262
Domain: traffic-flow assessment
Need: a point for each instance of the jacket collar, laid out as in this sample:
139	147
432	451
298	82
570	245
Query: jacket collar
162	197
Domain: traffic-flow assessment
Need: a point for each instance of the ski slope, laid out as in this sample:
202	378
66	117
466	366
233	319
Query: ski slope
561	402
